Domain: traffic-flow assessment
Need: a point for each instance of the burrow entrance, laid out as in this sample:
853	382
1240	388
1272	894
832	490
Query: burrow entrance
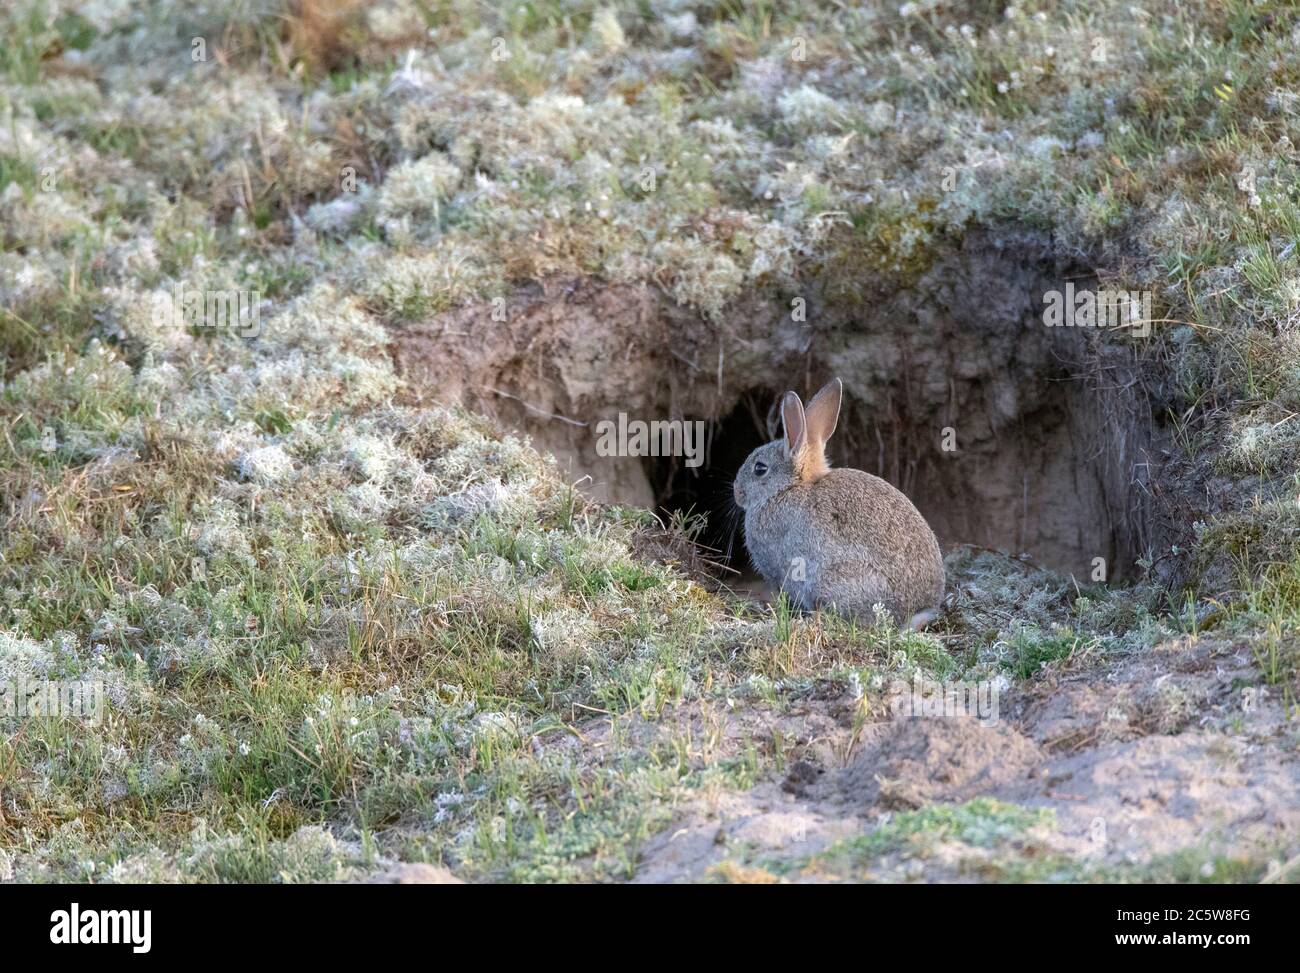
1006	433
1053	483
707	490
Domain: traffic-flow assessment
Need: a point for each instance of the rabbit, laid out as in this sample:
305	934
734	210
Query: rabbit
835	538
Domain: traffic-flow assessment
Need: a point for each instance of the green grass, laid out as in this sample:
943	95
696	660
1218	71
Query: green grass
982	823
1031	650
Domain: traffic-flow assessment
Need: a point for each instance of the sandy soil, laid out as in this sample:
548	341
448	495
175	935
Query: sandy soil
1178	749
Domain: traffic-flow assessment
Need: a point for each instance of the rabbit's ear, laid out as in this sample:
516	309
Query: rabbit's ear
793	421
824	412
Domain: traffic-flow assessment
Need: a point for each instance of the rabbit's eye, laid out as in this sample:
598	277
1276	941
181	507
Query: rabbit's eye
759	467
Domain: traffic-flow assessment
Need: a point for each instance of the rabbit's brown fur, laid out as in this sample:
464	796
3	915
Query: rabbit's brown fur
834	538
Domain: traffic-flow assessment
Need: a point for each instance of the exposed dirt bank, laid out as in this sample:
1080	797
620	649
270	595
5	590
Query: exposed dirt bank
1006	433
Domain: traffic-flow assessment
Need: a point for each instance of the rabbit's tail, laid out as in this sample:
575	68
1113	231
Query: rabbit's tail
922	619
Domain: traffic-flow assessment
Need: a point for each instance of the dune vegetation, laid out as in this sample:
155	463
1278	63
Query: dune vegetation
341	629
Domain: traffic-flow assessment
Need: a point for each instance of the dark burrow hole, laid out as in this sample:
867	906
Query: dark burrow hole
707	489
